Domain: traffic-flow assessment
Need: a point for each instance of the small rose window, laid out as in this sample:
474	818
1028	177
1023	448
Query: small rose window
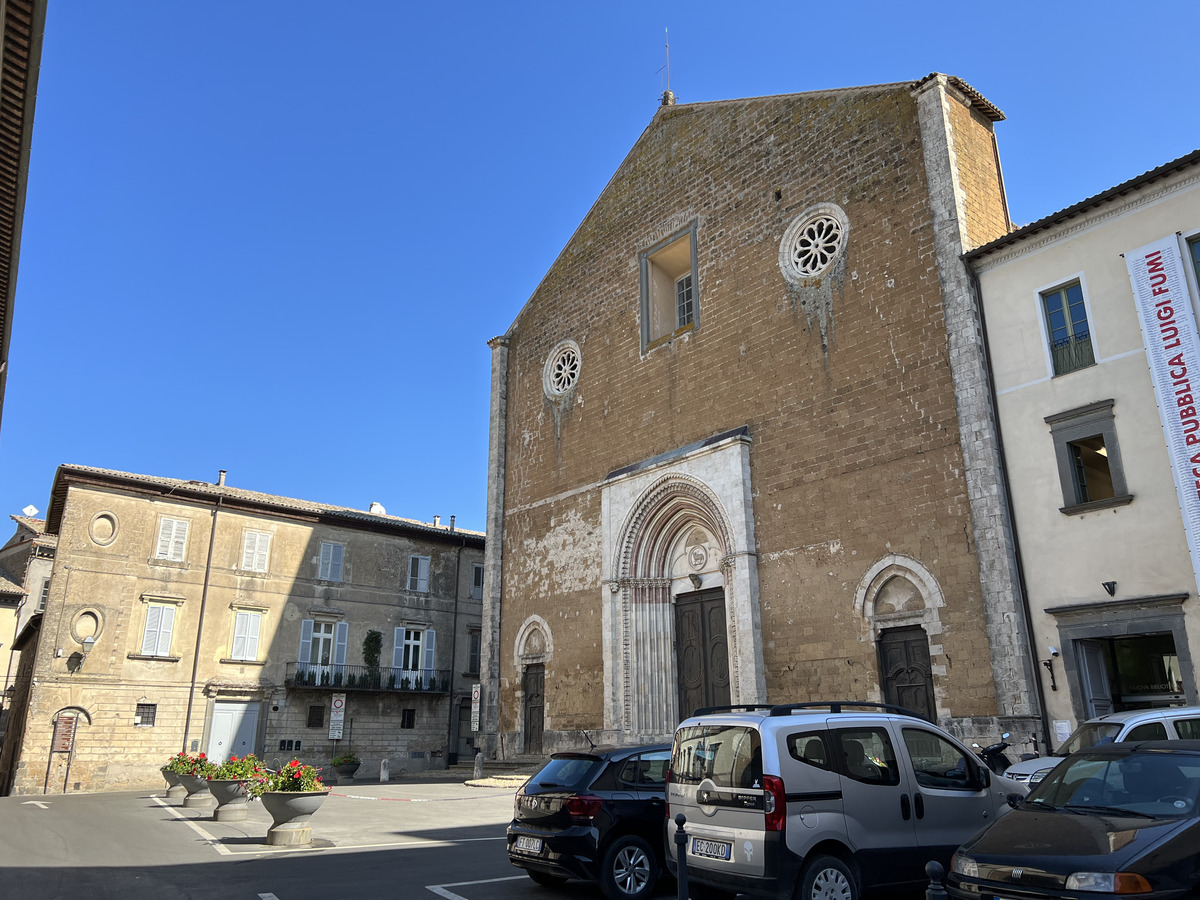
813	242
561	372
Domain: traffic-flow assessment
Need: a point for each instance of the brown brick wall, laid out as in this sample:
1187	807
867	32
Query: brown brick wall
979	175
856	449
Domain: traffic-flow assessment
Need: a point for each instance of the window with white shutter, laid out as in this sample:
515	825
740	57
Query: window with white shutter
172	539
246	628
156	638
331	561
477	582
256	546
418	574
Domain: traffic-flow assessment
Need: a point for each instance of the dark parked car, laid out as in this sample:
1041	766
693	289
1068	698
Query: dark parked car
595	815
1113	819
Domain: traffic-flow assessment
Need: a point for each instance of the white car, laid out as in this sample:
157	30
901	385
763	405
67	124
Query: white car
1169	724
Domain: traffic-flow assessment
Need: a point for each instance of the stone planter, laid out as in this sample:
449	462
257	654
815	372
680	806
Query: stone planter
233	803
345	772
198	794
291	812
174	788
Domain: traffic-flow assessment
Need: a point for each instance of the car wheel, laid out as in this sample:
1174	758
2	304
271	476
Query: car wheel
630	870
827	878
545	879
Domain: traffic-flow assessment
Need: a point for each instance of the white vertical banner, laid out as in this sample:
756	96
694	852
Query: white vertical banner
1164	305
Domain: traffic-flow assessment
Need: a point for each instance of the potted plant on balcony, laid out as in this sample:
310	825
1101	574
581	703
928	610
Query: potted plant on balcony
345	765
193	772
291	795
372	647
230	785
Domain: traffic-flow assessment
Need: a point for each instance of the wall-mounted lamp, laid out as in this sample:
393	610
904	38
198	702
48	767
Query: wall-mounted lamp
1049	664
1110	587
88	643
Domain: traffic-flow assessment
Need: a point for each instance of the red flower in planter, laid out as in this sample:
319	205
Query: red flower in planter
293	763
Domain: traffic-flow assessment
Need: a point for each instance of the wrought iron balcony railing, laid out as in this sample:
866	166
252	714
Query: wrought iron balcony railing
367	678
1071	353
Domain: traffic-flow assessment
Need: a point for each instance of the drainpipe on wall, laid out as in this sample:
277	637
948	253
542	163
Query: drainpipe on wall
212	540
453	648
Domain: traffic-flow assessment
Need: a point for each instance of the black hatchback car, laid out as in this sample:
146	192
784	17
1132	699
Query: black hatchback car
1113	819
594	815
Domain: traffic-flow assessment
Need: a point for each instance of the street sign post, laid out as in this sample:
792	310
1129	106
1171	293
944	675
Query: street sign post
474	707
337	717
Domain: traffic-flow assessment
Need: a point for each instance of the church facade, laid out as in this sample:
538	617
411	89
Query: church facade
742	447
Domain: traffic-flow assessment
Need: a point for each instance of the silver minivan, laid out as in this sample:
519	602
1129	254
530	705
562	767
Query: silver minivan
822	800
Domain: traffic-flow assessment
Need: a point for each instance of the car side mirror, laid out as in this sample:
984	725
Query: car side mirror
985	777
1014	800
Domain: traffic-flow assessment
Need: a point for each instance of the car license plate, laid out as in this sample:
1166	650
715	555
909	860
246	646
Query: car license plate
711	849
532	844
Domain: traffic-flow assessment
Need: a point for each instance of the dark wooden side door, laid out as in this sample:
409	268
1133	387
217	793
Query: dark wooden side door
702	651
905	671
535	705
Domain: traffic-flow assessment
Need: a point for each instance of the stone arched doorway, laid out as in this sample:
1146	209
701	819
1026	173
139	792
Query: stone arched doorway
899	602
680	609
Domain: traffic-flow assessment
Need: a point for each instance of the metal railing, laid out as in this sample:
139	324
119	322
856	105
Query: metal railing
1072	353
366	678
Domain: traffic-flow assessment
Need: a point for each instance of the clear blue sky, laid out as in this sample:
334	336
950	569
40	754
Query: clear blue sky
274	237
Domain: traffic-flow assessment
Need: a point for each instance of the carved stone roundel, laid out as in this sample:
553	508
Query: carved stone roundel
813	242
561	372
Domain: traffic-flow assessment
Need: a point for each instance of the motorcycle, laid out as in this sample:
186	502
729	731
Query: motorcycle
994	756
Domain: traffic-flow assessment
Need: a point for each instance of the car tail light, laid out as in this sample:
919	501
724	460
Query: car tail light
774	802
584	808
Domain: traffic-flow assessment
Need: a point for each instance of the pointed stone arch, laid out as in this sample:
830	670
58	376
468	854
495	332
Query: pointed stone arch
676	536
899	594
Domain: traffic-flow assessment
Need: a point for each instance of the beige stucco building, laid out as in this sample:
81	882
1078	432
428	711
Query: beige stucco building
184	614
742	449
1107	569
26	561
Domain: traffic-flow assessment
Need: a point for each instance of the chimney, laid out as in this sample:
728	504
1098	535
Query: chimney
221	478
452	523
437	521
668	98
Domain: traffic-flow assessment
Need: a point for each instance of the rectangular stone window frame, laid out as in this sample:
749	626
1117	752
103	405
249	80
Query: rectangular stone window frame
1080	424
418	574
408	718
155	607
1072	350
477	581
661	269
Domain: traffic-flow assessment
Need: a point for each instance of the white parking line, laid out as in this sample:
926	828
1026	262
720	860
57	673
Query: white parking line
440	889
209	839
267	897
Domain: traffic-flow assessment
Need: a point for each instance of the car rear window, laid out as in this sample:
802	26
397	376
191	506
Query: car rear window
1188	729
731	755
568	773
